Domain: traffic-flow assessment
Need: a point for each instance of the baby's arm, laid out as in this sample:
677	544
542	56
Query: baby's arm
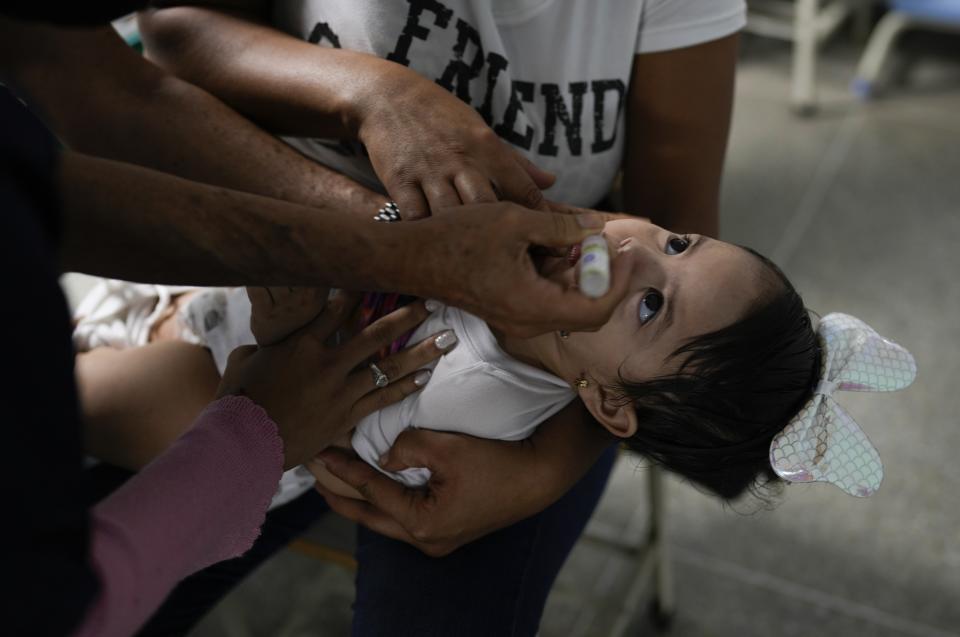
137	401
278	311
329	481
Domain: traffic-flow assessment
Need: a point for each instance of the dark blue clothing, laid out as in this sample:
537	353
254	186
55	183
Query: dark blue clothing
494	586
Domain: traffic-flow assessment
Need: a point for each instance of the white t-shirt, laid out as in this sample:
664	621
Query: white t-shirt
476	389
550	76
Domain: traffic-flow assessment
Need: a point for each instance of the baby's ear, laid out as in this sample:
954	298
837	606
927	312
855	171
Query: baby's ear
611	411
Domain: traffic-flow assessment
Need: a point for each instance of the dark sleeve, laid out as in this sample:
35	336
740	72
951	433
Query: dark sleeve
46	529
71	13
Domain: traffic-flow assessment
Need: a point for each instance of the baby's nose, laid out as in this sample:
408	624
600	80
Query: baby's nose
648	269
634	249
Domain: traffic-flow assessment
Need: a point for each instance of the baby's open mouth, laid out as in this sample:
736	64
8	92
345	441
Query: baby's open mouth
557	264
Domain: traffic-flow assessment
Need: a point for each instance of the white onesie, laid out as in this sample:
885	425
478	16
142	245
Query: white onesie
476	389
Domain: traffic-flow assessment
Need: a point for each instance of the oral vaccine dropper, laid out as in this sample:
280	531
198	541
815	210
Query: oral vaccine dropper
594	266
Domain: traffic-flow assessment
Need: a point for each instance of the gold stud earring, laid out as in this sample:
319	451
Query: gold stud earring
582	383
564	334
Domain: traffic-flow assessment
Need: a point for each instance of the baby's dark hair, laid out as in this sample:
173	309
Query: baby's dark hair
713	419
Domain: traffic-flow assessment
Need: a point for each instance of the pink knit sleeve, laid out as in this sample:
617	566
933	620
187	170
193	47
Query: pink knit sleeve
201	502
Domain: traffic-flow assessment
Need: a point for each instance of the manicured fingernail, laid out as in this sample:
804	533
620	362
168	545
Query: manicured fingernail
445	340
590	221
317	463
383	460
432	305
420	378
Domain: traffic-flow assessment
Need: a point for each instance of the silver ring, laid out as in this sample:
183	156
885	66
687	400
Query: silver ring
379	378
389	213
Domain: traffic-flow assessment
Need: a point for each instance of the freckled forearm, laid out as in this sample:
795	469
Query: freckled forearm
206	141
129	222
132	111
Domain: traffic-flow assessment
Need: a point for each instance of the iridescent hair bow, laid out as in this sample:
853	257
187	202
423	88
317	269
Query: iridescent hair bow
823	443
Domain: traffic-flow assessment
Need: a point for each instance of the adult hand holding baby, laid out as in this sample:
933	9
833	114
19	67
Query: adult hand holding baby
477	485
478	258
467	497
315	392
431	150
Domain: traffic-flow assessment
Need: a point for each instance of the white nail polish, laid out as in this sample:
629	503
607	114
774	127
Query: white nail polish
422	377
432	305
445	340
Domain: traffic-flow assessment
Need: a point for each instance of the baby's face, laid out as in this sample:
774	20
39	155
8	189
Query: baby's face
682	286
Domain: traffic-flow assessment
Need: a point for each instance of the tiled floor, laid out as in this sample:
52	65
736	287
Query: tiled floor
861	206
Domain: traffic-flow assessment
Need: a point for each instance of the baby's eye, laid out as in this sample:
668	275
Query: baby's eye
676	245
650	304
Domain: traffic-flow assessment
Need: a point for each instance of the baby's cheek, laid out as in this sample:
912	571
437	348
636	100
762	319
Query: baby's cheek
599	354
604	364
636	367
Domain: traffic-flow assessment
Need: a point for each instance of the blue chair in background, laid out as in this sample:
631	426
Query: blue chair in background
934	15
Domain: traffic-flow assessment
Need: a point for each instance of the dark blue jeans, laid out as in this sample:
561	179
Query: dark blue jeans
494	586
